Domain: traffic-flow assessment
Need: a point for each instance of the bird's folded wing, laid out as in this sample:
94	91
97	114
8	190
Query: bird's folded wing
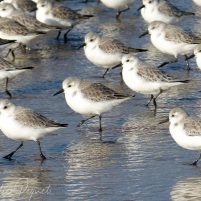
169	9
178	35
192	127
27	117
98	92
112	46
64	13
154	75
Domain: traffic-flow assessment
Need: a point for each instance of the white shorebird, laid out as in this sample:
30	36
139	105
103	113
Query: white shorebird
172	40
53	14
89	98
106	52
7	10
22	124
197	2
23	5
119	5
185	130
162	10
9	71
146	79
12	30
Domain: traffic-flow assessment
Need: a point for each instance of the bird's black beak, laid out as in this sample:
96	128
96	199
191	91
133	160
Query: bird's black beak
164	121
144	34
81	46
143	6
190	57
58	92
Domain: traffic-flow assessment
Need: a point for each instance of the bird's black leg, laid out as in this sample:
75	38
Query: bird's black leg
58	35
85	120
195	162
155	104
154	100
105	72
9	156
151	98
121	11
13	55
100	124
41	153
11	51
118	14
65	36
6	89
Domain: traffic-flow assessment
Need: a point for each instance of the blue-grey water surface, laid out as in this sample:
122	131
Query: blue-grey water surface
137	160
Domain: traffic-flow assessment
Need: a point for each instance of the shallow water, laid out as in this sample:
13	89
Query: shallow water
136	159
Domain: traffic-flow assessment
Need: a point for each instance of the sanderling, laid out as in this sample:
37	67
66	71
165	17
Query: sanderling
105	52
7	10
172	40
55	15
185	130
119	5
197	2
162	10
9	71
90	98
22	124
146	79
23	5
12	30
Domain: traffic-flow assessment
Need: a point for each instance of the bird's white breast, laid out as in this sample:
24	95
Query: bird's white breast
117	4
183	140
101	58
85	106
151	14
171	47
16	131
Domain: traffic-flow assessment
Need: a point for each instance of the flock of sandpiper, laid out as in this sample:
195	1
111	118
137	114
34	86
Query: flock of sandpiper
24	20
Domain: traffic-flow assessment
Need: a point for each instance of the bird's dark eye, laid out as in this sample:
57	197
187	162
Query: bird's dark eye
173	115
91	40
149	1
199	50
42	5
3	9
127	60
69	85
5	107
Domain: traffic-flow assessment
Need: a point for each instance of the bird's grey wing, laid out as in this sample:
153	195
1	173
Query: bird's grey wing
192	127
178	35
169	9
153	74
26	5
64	13
30	22
112	46
13	27
27	117
98	92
